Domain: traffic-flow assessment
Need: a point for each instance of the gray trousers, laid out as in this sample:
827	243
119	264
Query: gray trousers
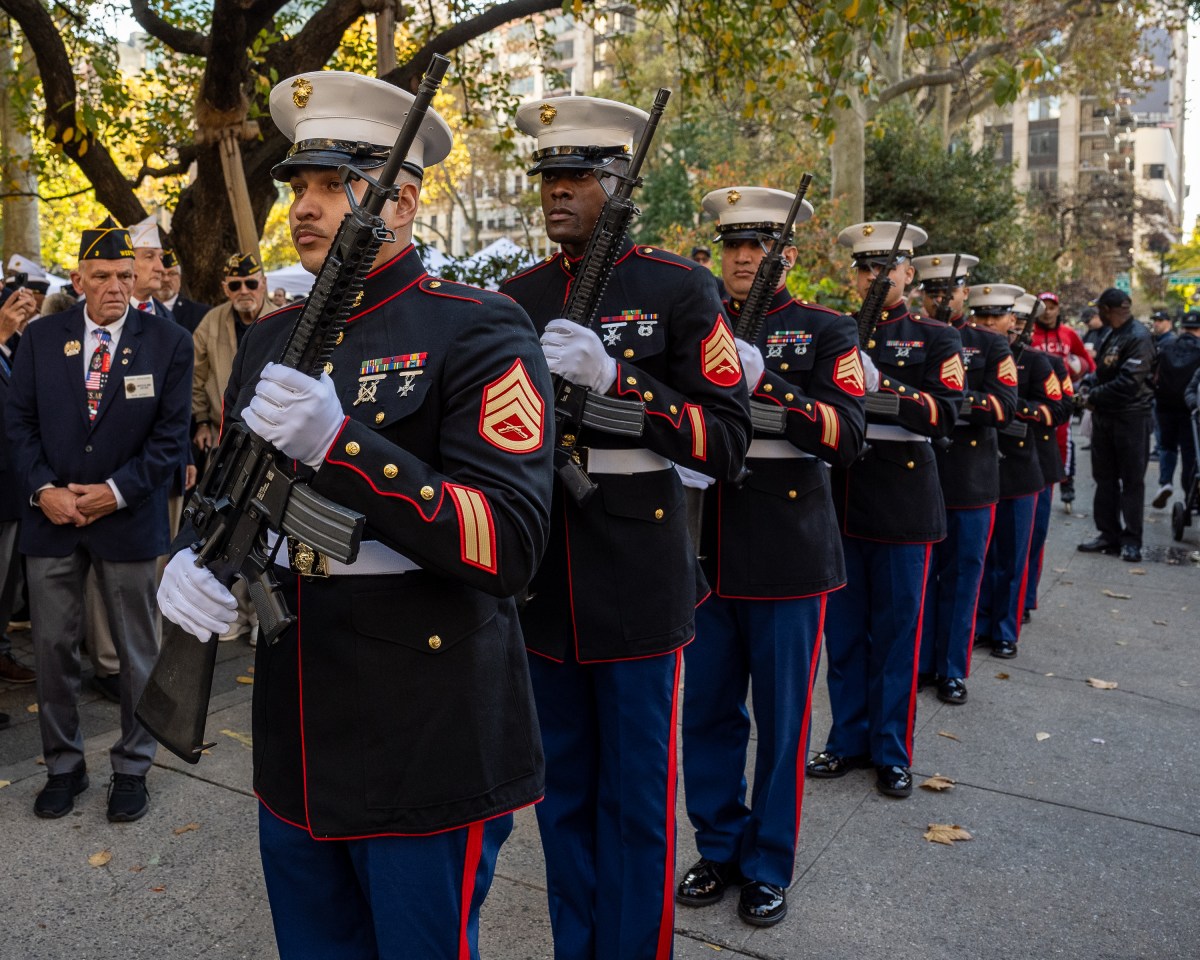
56	599
10	577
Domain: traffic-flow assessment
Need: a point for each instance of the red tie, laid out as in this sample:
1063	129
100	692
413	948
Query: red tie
144	306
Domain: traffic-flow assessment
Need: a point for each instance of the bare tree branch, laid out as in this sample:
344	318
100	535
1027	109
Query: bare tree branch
34	193
177	38
311	48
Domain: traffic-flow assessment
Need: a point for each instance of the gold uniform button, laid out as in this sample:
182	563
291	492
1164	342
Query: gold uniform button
352	448
632	381
870	344
433	285
340	337
767	388
808	407
329	368
974	443
647	396
628	354
899	363
916	396
427	493
379	416
887	383
783	366
674	409
390	470
901	389
647	249
792	494
789	396
1020	443
435	642
658	514
911	465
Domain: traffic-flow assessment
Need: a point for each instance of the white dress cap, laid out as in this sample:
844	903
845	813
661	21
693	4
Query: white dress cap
874	240
334	117
994	297
748	212
1029	306
144	233
580	132
936	267
33	272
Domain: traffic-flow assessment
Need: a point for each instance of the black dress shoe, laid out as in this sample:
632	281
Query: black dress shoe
1027	616
1099	545
1004	649
108	687
894	781
982	640
57	797
927	679
128	799
1131	554
762	904
827	766
952	690
705	882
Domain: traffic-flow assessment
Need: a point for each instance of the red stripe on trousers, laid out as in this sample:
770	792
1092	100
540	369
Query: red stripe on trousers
666	925
987	545
912	692
801	759
470	869
1025	572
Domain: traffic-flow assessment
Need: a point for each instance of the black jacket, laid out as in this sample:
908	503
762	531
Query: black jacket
1177	362
1121	386
1039	393
1062	407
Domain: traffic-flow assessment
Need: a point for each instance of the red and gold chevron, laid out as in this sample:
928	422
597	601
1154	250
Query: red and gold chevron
719	357
848	373
511	417
1053	386
952	373
1007	373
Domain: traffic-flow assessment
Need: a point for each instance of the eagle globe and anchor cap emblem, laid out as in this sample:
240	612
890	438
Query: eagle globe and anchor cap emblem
547	113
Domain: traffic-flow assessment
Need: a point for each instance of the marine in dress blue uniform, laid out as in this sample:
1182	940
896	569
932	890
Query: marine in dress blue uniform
1038	392
890	510
614	600
394	729
771	550
968	466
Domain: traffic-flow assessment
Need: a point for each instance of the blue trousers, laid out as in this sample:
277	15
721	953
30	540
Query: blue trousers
382	898
608	818
1037	545
872	633
1002	597
774	646
952	594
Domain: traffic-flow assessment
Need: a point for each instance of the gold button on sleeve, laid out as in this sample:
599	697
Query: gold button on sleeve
648	395
353	448
379	417
767	388
789	396
900	389
792	494
435	642
784	366
427	493
887	383
674	409
628	354
632	381
658	514
974	443
390	470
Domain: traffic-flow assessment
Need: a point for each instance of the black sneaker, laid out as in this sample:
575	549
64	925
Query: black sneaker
108	687
128	799
57	797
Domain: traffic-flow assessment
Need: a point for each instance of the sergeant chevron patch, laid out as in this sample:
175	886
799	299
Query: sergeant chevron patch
1007	373
1053	387
952	372
511	416
719	357
848	373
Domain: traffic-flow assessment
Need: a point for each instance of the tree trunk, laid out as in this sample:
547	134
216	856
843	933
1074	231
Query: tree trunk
22	232
848	158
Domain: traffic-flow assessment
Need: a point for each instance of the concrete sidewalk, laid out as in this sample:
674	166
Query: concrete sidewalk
1086	842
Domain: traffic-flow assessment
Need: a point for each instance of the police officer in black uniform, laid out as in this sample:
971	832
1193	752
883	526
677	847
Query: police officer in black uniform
890	510
771	551
968	468
394	729
1120	398
614	600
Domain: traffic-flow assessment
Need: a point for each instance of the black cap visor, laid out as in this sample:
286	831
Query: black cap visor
762	232
575	158
331	154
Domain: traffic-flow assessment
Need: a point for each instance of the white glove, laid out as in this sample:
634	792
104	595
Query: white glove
191	597
294	413
871	373
1074	365
576	353
753	363
694	479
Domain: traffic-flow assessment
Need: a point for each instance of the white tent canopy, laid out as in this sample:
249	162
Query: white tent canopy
503	247
298	282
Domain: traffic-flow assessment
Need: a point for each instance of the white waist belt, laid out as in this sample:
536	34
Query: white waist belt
889	431
625	461
374	558
776	450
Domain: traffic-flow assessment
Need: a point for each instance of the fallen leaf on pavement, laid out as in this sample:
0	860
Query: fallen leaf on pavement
100	859
1138	572
32	708
243	738
1185	683
40	761
136	868
1042	736
186	828
1002	676
1160	623
946	833
250	670
1115	595
4	783
948	736
937	783
245	679
1067	583
157	889
1102	684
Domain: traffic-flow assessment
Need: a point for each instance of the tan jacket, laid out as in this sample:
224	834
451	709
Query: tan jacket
216	343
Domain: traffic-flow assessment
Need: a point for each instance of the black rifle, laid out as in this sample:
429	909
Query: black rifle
595	270
250	487
943	308
1023	340
769	273
873	303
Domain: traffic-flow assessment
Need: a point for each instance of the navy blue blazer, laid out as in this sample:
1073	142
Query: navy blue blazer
10	485
138	442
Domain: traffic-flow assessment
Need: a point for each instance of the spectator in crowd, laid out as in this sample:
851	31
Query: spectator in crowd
187	313
35	280
16	312
58	302
1089	316
216	341
1177	363
1162	329
98	420
147	268
279	298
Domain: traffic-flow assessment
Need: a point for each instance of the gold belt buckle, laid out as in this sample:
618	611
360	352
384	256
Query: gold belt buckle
306	561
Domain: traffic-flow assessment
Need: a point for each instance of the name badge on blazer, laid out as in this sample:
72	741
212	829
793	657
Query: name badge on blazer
139	387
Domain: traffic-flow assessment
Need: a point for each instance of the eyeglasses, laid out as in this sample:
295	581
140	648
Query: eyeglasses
236	285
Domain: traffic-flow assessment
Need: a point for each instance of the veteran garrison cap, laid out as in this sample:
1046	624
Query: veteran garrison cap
872	242
749	213
994	299
580	132
333	117
1029	307
169	259
933	270
35	277
242	265
144	233
109	241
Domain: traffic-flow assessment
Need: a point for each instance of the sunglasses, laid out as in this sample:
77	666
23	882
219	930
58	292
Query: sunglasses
236	285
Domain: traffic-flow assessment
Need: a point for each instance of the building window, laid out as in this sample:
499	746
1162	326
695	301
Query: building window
1043	108
1000	139
1154	171
1043	181
1043	144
